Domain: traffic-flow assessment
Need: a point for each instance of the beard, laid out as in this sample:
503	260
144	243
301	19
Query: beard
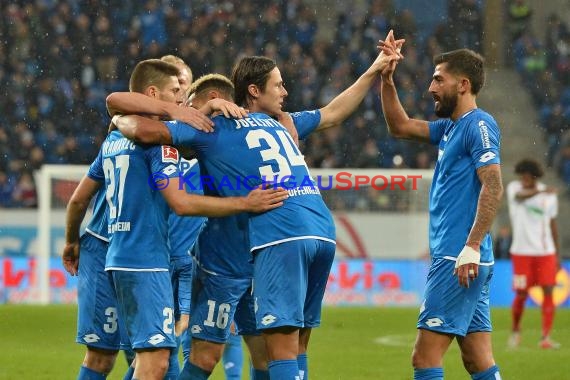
447	105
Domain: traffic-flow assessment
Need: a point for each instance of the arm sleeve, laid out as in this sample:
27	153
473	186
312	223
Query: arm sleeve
436	130
182	134
95	171
483	142
164	161
306	122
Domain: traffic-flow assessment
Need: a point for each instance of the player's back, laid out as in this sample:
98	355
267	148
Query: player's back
244	153
137	212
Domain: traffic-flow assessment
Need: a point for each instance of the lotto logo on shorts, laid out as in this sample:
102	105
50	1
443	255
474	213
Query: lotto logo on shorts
434	322
91	338
156	339
268	319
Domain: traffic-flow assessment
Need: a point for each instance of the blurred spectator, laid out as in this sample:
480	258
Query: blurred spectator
60	59
502	243
24	194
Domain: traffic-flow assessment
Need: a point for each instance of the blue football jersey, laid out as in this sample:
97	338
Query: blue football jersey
471	142
183	230
242	154
223	247
137	212
98	224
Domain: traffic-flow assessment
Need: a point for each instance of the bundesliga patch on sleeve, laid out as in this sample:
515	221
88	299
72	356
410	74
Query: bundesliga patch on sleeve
169	154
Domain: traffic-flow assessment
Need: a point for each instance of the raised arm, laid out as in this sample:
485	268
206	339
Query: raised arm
143	130
258	200
400	125
76	209
139	104
344	104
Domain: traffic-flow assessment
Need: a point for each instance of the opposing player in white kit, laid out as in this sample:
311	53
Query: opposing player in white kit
533	208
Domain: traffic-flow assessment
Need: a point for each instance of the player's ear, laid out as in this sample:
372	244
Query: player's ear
151	91
464	85
253	90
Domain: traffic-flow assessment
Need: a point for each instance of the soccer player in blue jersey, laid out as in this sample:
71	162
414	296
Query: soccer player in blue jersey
97	320
464	198
292	249
138	255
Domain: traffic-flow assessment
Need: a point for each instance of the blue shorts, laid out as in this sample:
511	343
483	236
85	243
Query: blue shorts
97	315
215	301
289	282
181	270
452	309
146	308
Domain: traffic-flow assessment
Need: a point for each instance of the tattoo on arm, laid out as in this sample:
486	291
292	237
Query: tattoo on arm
489	201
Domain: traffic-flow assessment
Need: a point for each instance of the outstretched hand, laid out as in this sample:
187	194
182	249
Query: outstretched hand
389	52
192	117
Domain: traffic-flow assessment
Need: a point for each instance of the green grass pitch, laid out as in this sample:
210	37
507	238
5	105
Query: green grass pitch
37	342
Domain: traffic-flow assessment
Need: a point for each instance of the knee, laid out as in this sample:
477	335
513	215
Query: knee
101	361
205	359
418	360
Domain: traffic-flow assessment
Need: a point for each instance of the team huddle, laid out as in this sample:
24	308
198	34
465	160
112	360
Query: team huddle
164	263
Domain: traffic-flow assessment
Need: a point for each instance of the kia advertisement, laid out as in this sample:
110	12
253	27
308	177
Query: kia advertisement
352	282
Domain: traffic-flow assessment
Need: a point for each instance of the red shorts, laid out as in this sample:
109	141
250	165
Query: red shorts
531	271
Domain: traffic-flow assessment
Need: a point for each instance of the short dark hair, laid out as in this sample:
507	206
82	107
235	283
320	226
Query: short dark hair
464	62
250	70
151	72
213	81
529	166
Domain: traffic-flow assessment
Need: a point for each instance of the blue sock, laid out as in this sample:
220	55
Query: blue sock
488	374
190	371
303	367
233	358
186	342
428	373
88	374
173	365
258	374
283	370
129	374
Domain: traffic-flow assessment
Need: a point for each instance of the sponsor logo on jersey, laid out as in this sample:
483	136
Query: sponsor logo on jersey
156	339
169	154
484	131
195	329
487	157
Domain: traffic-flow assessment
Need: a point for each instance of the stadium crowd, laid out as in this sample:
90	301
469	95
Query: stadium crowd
60	59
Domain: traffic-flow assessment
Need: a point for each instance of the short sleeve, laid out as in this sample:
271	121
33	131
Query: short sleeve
95	171
483	142
306	122
163	161
436	130
182	134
